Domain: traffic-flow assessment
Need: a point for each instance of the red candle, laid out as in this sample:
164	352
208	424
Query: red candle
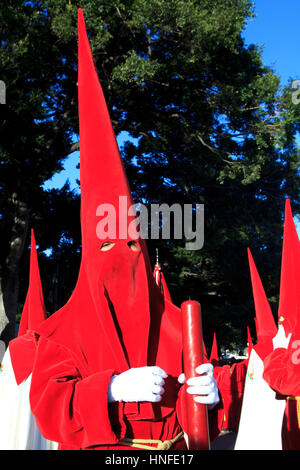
197	419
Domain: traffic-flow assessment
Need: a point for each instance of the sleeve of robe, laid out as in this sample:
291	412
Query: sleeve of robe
282	371
72	409
69	408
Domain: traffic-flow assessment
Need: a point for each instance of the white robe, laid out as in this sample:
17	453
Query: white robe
262	414
18	429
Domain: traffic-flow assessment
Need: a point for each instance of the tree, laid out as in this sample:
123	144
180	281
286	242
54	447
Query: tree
212	125
36	126
208	123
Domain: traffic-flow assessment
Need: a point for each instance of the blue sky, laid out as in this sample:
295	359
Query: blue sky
276	27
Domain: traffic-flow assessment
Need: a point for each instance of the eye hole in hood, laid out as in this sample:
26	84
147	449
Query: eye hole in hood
106	246
134	246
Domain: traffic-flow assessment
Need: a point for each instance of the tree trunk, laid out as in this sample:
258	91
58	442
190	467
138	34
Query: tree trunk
9	279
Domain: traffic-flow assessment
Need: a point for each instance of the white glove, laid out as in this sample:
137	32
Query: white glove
280	340
137	384
204	386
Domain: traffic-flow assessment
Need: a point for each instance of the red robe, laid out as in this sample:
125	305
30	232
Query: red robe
231	381
69	391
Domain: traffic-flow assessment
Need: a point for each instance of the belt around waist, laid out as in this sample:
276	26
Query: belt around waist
145	443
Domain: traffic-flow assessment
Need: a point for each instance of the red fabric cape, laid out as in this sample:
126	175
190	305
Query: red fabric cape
116	318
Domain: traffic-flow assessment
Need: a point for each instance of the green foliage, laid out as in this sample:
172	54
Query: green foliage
212	124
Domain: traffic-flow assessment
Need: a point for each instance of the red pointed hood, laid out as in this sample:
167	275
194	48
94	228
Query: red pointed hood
214	358
250	344
116	283
108	314
289	299
265	323
34	311
113	319
22	348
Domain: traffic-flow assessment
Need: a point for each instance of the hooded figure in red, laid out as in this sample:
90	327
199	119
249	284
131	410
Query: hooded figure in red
282	365
18	430
261	414
22	349
265	324
214	357
108	362
231	380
